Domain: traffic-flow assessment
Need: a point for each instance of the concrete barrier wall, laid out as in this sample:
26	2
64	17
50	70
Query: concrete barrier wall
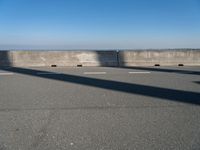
61	58
5	58
100	58
162	57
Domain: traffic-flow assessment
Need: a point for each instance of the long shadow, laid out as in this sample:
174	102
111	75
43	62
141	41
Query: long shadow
198	82
151	91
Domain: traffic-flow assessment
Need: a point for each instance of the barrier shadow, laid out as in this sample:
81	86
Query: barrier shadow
132	88
5	58
197	82
107	58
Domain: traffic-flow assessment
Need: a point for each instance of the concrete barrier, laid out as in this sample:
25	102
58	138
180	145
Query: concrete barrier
160	57
60	58
100	58
5	58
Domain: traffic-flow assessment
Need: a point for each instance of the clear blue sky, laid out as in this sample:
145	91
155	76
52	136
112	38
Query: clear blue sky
99	24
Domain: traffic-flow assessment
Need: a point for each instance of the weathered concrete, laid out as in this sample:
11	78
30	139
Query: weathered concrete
162	57
5	58
100	58
61	58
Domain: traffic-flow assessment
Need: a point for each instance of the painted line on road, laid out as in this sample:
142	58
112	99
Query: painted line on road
6	73
43	73
94	72
136	72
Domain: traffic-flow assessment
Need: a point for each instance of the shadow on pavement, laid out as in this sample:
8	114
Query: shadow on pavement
145	90
198	82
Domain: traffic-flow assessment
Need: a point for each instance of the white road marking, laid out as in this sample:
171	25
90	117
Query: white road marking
94	72
141	72
6	73
48	73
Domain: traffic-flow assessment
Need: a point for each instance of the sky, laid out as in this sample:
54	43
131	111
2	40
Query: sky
99	24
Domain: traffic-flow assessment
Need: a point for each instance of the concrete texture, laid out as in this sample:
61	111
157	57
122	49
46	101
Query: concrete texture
100	58
5	58
61	58
113	111
162	57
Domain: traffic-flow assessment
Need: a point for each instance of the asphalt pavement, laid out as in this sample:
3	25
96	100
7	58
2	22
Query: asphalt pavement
100	108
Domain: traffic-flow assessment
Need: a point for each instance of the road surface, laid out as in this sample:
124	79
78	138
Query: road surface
100	108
